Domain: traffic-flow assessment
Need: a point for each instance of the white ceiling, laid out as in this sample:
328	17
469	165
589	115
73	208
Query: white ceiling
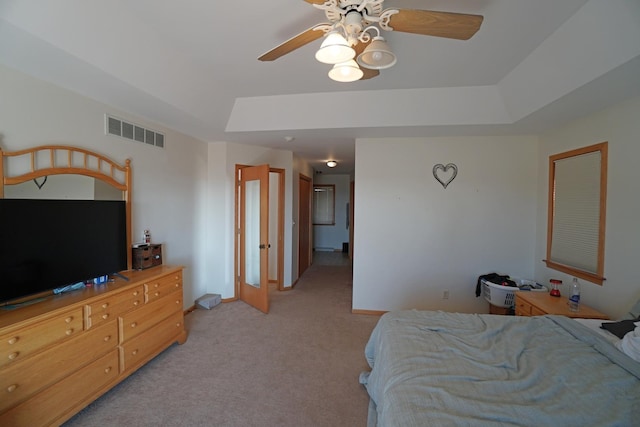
192	65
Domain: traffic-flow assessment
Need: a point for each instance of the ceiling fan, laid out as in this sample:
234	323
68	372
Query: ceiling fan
355	53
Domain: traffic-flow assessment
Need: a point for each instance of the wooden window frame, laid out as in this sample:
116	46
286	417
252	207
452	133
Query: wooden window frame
598	276
332	220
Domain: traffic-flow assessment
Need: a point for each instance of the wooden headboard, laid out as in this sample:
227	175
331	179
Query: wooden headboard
38	162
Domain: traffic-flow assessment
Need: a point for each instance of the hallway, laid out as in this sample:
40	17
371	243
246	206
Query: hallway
330	258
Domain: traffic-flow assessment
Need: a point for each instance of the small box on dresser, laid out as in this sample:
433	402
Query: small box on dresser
146	256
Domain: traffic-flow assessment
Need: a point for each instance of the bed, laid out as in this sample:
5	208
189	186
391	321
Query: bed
442	369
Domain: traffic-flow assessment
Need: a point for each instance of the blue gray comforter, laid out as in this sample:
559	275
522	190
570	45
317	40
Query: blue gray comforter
445	369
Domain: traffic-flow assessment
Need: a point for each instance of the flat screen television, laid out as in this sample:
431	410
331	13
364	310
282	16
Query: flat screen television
48	244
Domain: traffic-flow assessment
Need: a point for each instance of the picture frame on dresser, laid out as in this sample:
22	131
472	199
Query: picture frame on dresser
109	330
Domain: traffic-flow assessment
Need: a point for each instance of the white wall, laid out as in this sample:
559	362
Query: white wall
620	126
331	237
218	260
168	184
414	239
274	196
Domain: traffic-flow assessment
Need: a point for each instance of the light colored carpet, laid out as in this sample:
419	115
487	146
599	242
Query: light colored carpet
296	366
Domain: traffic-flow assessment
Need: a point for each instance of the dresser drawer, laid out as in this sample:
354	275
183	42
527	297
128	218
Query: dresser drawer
111	307
22	379
535	311
17	345
56	403
162	286
522	308
138	321
143	347
156	255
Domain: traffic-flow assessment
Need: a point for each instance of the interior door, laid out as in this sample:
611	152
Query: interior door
253	236
304	224
352	206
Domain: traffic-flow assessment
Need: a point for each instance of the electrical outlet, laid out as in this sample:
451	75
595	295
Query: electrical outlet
445	294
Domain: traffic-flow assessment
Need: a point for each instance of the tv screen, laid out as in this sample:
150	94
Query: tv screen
47	244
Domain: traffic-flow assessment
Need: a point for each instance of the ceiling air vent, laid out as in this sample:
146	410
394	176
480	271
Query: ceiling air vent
123	129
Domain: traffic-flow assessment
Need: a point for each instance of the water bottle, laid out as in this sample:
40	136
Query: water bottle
574	300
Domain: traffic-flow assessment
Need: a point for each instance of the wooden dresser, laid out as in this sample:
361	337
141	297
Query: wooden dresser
60	354
540	303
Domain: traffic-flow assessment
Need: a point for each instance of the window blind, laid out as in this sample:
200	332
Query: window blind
576	212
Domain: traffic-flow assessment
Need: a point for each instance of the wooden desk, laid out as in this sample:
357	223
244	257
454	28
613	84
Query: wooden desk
539	303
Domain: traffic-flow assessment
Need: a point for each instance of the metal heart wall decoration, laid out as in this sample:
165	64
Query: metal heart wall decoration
444	169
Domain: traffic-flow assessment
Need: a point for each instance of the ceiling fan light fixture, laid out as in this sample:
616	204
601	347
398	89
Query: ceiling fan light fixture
335	49
378	55
332	163
345	72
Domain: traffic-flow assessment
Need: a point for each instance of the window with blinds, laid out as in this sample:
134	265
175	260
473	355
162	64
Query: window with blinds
324	204
577	207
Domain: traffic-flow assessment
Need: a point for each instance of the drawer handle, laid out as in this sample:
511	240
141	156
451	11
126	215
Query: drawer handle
12	388
107	369
177	301
135	294
135	303
13	340
105	305
156	294
69	331
134	324
156	285
134	352
178	324
105	316
69	319
177	285
107	338
13	356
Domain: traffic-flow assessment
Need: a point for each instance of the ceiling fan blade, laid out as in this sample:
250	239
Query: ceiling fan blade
450	25
295	42
368	72
316	1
